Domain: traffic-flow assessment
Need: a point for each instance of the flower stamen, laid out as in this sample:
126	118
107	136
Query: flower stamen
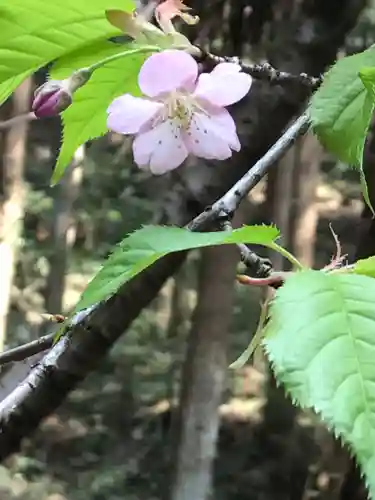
181	108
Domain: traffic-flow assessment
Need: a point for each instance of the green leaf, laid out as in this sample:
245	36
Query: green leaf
341	108
367	75
365	267
35	32
85	56
145	246
86	118
321	343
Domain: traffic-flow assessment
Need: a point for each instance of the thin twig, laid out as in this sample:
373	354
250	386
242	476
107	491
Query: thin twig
266	72
258	265
274	280
43	343
27	117
26	350
228	204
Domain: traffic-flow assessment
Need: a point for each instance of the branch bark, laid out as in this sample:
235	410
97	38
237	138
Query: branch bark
260	118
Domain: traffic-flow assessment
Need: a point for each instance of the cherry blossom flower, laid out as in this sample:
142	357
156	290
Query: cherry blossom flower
168	10
182	114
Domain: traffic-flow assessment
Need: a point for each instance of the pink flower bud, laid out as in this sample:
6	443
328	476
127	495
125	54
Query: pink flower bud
50	99
55	96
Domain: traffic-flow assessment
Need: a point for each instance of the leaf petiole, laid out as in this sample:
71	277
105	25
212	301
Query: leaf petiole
293	260
255	341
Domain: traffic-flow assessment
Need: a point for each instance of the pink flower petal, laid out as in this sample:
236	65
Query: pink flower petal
225	128
127	114
223	87
162	148
225	67
204	138
166	71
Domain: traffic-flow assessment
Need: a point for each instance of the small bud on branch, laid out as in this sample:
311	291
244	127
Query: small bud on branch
55	96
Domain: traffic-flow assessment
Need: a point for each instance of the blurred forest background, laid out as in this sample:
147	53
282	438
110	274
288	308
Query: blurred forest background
128	432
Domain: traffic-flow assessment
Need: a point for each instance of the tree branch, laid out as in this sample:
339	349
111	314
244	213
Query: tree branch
257	265
15	120
265	72
261	117
26	350
228	204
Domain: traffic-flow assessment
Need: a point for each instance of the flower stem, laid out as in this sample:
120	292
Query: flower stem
125	53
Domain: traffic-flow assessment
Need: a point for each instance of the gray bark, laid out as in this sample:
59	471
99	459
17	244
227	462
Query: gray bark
205	375
306	178
63	232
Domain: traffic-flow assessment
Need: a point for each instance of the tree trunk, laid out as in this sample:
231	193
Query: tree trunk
305	216
13	146
177	328
277	432
204	375
63	232
279	412
291	192
280	203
